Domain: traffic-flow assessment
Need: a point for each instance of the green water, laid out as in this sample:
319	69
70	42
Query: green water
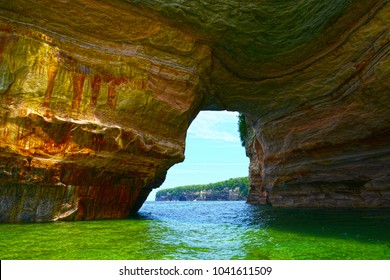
206	231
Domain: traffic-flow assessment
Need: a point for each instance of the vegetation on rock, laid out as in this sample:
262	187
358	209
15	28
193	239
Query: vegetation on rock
242	129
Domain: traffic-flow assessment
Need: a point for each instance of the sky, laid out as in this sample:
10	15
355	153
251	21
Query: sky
213	152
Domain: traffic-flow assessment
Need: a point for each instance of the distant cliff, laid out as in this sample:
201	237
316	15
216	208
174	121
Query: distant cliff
232	189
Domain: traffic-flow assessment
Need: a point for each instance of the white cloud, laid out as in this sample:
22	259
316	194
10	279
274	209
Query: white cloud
214	125
217	164
188	171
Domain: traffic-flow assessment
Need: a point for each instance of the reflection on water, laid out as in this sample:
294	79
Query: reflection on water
320	234
207	230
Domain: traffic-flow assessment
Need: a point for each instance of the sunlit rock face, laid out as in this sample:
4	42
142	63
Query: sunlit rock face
96	98
95	103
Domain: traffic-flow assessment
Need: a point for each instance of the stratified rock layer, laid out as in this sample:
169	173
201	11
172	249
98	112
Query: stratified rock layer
96	98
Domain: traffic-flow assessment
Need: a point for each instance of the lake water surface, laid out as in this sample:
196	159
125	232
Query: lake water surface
207	231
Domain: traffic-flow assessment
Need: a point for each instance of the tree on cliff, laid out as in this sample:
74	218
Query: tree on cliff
242	128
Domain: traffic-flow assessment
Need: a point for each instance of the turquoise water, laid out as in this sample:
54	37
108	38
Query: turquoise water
206	231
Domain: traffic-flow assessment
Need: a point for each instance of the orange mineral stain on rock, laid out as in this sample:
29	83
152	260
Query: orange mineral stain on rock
78	87
95	88
51	75
112	96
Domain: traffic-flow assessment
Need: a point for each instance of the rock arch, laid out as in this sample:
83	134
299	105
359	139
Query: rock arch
96	99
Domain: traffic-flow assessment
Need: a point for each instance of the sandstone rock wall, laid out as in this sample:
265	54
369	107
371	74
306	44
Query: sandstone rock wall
91	117
330	147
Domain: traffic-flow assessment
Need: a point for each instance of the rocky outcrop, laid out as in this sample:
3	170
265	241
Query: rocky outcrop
96	98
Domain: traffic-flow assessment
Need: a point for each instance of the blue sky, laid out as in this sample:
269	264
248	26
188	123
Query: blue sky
213	152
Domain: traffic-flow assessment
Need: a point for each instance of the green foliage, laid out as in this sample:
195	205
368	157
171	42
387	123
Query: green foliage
242	129
241	182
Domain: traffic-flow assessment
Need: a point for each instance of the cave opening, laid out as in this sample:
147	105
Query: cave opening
213	152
